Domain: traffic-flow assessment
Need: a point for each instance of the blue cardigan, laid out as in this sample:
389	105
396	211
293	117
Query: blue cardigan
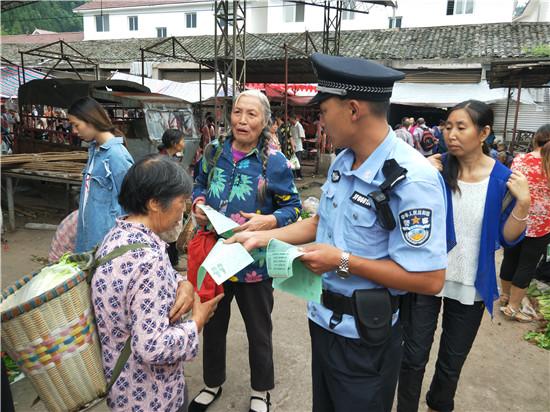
492	237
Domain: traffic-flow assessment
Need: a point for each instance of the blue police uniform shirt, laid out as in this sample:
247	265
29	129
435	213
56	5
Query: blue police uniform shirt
347	220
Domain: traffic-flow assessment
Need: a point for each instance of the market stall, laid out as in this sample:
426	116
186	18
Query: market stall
63	168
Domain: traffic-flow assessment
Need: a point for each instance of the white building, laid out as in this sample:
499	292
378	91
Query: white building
144	19
163	18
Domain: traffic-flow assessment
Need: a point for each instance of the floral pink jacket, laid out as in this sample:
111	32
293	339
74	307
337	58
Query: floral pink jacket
132	296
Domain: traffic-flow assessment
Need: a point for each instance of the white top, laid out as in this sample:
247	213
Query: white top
88	182
297	134
468	208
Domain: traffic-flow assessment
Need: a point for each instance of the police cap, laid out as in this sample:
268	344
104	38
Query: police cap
352	78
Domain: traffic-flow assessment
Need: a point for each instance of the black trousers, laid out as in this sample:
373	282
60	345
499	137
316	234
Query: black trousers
7	400
350	376
255	302
520	262
460	326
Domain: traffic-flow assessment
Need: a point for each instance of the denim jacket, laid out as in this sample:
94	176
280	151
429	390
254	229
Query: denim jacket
110	161
234	188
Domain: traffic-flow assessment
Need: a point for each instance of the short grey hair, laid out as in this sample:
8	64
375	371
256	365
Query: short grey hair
264	102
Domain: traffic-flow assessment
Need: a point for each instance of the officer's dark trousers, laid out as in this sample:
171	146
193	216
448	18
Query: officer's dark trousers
255	301
460	326
350	376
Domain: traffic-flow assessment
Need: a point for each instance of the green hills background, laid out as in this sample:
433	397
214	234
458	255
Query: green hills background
47	15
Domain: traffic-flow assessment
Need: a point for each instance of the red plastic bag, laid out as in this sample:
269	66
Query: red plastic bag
197	249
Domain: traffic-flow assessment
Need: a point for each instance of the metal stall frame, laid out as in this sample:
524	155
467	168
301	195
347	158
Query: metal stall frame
229	55
66	53
531	72
187	57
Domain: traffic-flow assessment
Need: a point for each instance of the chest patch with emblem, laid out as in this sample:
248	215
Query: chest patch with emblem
335	176
360	199
416	226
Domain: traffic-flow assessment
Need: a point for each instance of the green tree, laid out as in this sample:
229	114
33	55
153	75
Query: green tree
47	15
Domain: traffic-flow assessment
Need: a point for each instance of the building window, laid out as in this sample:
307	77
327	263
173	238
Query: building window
348	14
102	22
395	22
161	32
293	12
133	23
191	20
460	7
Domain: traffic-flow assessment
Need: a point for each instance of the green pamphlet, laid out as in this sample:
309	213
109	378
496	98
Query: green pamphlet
289	273
222	224
224	261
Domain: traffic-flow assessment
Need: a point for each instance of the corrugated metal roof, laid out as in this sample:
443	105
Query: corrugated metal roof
10	77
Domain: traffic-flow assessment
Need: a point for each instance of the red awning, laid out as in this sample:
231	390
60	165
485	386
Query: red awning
299	94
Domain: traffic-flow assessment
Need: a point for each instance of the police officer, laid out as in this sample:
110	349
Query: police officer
379	232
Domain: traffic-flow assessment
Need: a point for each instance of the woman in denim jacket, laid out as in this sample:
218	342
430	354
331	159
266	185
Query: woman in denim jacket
108	162
243	178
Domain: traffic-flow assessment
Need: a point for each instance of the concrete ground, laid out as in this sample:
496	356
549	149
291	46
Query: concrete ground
502	373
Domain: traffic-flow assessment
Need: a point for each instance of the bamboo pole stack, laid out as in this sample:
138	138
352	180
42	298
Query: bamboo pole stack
17	160
60	166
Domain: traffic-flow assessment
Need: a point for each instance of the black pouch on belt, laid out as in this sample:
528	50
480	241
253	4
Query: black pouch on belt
373	315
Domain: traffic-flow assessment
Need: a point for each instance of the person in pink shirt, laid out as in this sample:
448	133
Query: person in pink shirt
64	239
139	296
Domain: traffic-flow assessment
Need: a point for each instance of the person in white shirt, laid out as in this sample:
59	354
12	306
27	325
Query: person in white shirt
297	136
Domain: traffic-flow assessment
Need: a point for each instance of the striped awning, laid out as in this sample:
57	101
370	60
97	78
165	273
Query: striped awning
10	79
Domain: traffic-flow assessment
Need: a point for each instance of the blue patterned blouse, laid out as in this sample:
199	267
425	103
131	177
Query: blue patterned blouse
234	188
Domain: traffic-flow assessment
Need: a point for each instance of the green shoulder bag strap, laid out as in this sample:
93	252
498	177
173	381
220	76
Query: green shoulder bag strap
127	350
212	153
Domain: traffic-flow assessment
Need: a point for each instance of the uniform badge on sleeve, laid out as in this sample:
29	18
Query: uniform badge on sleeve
416	226
335	176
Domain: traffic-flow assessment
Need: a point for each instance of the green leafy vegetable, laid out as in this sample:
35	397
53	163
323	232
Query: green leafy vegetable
48	278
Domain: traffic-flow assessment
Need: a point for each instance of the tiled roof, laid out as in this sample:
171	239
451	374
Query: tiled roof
468	43
107	4
44	38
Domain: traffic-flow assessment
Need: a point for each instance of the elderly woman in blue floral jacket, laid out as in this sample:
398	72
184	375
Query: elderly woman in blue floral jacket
243	178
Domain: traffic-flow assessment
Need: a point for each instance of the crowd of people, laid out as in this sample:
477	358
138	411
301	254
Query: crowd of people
408	225
9	123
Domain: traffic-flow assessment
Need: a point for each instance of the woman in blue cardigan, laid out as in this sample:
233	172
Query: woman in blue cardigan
479	221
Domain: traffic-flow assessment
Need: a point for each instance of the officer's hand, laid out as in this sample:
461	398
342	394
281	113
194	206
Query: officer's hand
250	240
200	216
321	258
435	161
257	222
519	187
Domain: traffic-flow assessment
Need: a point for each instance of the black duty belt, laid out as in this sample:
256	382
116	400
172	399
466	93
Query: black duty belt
344	304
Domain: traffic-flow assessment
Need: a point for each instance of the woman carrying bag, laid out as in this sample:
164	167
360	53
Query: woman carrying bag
246	180
139	297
